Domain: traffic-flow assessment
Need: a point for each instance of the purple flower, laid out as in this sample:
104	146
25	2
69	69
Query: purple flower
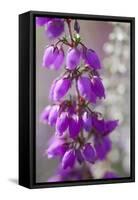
53	58
110	175
99	124
104	127
53	115
62	123
45	114
89	153
60	88
40	21
87	121
74	126
102	146
55	28
58	147
92	59
68	159
85	89
79	156
98	87
72	58
110	126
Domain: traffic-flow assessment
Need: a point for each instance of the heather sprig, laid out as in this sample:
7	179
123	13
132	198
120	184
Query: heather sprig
81	135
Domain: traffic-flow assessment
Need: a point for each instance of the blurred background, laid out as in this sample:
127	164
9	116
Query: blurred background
111	41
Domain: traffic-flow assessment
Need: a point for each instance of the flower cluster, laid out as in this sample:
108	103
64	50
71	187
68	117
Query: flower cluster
81	134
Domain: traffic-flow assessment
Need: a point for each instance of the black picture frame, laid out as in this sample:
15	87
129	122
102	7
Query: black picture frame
27	63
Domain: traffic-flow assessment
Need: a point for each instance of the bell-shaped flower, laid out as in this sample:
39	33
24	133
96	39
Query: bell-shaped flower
85	88
45	114
89	153
72	58
60	88
55	28
98	87
53	57
75	125
58	147
79	156
91	58
87	121
62	123
68	159
53	115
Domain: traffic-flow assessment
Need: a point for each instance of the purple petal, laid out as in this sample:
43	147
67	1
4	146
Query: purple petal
102	146
92	59
98	87
89	153
59	59
45	114
62	123
49	57
85	88
72	58
57	148
68	159
61	88
110	126
74	126
55	28
87	121
99	124
53	115
79	156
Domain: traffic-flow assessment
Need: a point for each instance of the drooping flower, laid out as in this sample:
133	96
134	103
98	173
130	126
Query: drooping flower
68	159
40	21
79	156
102	146
72	58
60	88
62	123
53	57
74	126
54	28
89	153
110	175
87	121
85	89
99	125
91	58
45	114
98	87
58	147
53	115
104	127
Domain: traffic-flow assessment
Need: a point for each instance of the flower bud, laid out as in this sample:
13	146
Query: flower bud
62	123
53	115
85	89
55	28
87	121
68	159
98	87
60	88
92	59
72	58
89	153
